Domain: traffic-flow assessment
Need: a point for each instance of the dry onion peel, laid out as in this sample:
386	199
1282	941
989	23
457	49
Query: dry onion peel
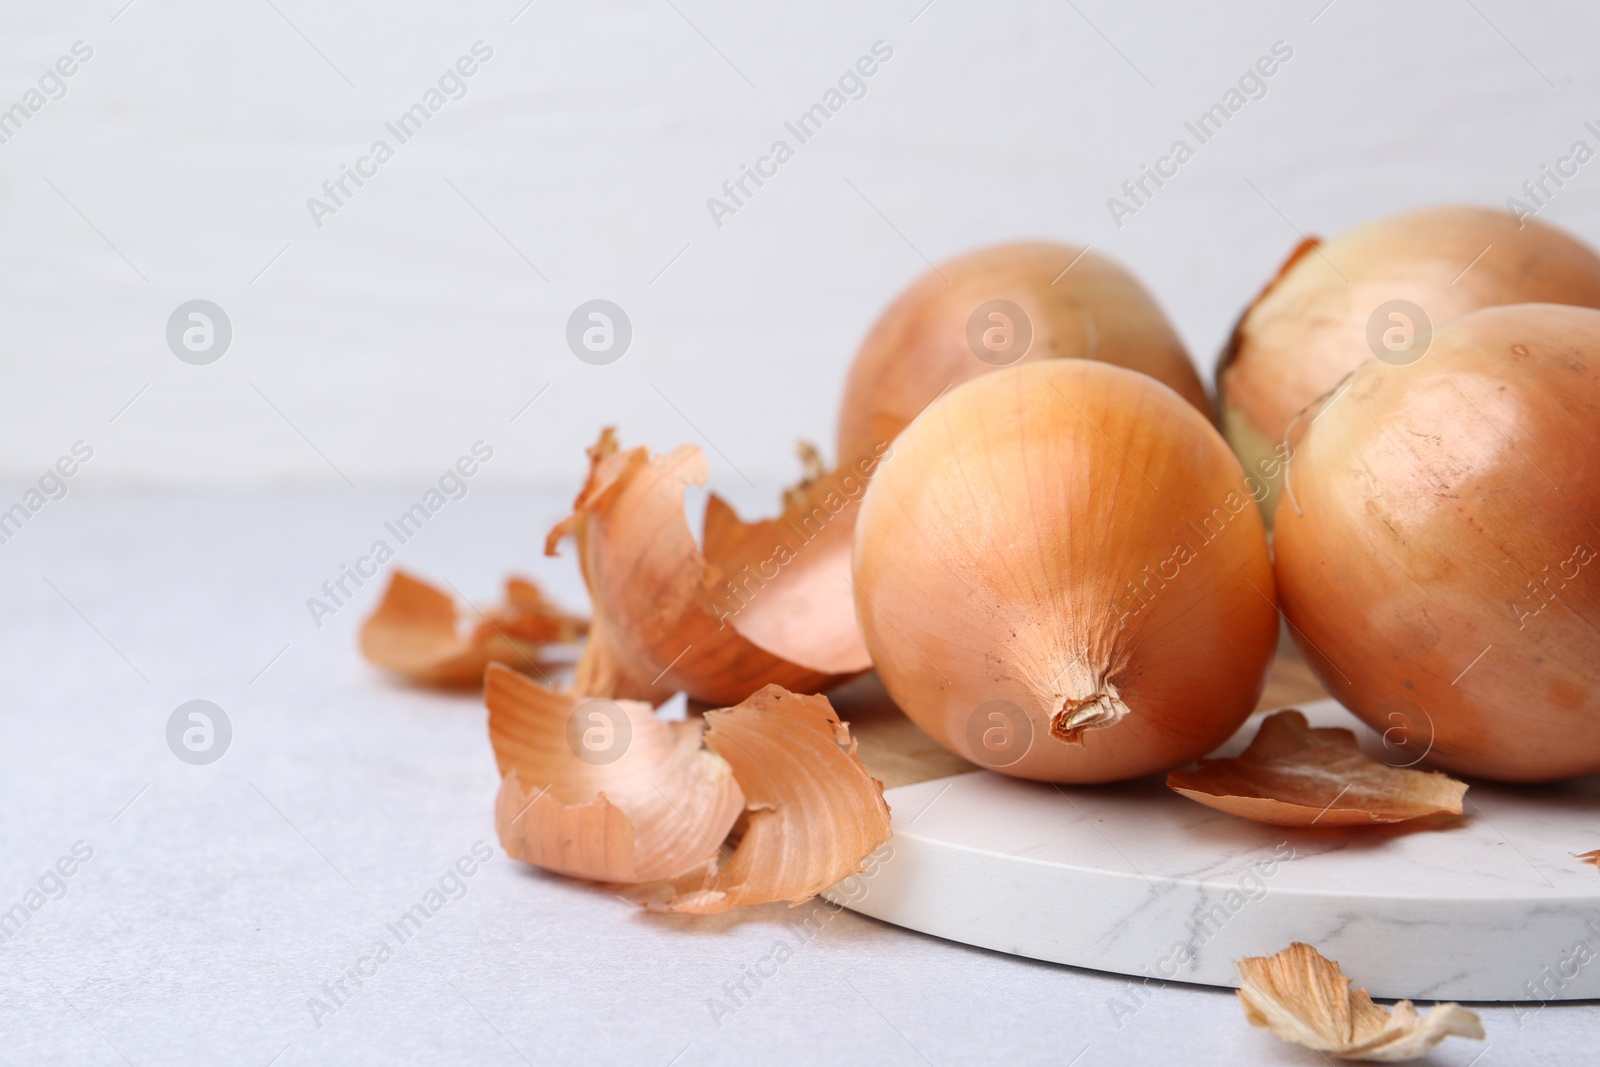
808	547
1294	775
754	607
658	810
416	631
601	670
1304	998
779	771
1589	857
813	813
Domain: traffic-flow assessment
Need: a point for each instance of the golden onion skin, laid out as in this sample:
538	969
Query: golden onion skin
921	344
1309	327
1435	546
1021	586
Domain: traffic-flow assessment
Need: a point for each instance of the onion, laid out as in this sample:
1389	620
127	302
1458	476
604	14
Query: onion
1060	574
1311	325
954	323
1436	547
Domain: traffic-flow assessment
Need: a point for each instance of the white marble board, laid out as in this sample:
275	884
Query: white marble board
1135	879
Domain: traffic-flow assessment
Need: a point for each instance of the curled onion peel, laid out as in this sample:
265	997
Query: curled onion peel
1436	548
416	631
813	813
1060	575
1314	323
658	808
951	326
775	806
761	603
602	670
1294	775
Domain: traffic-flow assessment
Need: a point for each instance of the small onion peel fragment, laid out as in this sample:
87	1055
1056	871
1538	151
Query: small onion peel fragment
779	770
1304	998
416	632
762	603
1293	775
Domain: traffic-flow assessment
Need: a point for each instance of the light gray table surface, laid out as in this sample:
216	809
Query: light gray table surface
220	900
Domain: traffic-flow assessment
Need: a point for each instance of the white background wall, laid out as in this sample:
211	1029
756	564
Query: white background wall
179	163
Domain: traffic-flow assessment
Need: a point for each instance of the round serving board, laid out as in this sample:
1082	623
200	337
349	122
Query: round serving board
1135	879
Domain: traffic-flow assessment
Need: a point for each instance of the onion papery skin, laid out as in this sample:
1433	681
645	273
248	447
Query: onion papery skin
1309	327
1435	546
919	347
1075	541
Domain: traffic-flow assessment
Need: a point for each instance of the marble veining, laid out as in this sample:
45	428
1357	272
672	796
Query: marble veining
1137	880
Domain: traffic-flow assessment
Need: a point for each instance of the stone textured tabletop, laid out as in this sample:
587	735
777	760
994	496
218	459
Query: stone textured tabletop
216	913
